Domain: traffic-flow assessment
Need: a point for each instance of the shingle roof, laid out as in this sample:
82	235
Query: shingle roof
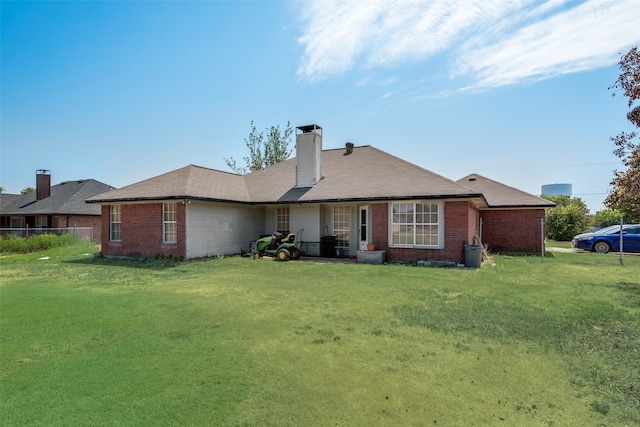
499	195
7	199
67	198
189	182
365	174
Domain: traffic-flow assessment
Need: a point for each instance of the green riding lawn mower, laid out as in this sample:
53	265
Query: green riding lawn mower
278	246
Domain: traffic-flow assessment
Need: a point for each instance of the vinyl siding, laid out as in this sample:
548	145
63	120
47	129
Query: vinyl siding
220	229
269	221
307	217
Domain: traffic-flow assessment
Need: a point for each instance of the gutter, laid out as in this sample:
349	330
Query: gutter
162	199
315	201
520	206
376	199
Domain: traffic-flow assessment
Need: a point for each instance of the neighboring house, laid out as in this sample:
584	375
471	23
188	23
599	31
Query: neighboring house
335	201
53	207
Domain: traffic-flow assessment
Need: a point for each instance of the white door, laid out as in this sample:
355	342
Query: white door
364	227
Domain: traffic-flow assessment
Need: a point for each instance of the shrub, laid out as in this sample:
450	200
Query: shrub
606	217
567	219
11	243
14	244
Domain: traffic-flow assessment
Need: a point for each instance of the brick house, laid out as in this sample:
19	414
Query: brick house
52	207
341	199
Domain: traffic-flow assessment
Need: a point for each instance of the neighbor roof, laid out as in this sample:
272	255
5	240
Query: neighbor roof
7	199
365	174
67	198
499	195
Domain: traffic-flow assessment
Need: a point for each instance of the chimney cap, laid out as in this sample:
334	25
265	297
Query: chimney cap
43	171
309	128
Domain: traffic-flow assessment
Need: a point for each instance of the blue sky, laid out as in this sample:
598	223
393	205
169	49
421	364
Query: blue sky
122	91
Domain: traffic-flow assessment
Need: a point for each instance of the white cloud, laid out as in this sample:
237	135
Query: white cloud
585	37
334	35
491	42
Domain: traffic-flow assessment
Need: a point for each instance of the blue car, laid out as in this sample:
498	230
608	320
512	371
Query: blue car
608	239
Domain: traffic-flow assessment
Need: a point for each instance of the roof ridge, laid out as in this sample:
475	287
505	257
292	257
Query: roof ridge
342	148
494	191
495	182
422	169
191	183
211	169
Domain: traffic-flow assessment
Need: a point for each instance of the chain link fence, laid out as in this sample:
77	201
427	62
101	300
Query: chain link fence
85	233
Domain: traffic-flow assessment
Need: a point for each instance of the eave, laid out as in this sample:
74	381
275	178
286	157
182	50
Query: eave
287	202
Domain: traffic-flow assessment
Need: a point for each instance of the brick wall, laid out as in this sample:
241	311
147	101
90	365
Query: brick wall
380	225
512	230
461	220
93	221
142	232
503	230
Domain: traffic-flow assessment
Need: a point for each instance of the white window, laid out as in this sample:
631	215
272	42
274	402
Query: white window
416	224
169	223
283	218
115	223
41	221
342	225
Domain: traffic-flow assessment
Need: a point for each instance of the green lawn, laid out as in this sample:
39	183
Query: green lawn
236	341
557	244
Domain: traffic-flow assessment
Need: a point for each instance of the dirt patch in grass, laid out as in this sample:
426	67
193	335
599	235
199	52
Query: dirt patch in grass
596	340
629	294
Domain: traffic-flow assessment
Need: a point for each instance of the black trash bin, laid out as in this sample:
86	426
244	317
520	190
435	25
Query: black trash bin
472	256
328	246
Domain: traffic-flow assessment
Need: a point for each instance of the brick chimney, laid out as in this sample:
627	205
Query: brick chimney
43	184
308	155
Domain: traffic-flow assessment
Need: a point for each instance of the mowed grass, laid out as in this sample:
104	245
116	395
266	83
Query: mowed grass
236	341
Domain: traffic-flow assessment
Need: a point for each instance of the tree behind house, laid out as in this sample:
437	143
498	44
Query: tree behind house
606	217
264	153
569	218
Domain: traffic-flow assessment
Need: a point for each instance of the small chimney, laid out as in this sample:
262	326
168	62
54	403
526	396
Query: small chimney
308	155
349	148
43	184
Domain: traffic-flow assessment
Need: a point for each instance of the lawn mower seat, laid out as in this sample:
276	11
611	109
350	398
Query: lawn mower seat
276	239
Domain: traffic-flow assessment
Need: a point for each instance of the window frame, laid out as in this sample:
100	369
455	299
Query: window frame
169	223
115	218
343	236
16	220
413	225
39	221
283	219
